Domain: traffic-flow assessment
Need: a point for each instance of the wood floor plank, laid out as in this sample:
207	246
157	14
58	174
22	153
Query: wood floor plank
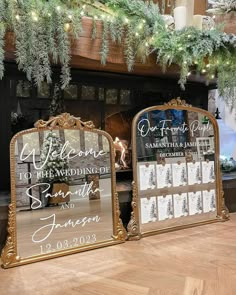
193	286
194	261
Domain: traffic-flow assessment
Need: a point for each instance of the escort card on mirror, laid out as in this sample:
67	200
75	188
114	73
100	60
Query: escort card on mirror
208	171
148	210
179	174
194	173
147	176
165	207
180	205
209	201
195	203
164	175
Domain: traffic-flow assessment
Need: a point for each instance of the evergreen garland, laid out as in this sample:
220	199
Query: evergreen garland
222	6
44	31
2	35
105	43
57	105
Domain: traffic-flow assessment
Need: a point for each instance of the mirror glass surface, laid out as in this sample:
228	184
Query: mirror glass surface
63	190
176	168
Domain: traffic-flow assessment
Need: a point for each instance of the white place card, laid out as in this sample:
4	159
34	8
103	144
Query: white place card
147	176
195	203
194	173
164	175
179	174
148	210
180	205
208	171
209	201
165	207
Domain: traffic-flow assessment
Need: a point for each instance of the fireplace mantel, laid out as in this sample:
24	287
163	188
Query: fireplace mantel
85	54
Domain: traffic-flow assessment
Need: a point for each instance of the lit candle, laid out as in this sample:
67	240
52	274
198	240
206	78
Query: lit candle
180	17
197	21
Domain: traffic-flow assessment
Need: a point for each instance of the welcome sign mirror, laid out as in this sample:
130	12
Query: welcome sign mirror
63	197
176	168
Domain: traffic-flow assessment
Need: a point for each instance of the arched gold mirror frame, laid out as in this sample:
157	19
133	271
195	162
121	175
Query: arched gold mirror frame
222	213
65	121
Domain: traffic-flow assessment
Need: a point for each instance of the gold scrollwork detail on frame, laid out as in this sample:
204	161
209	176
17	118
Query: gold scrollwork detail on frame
8	255
133	226
224	210
121	232
177	102
64	120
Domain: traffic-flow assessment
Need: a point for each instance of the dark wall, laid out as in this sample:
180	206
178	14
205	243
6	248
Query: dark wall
5	133
98	96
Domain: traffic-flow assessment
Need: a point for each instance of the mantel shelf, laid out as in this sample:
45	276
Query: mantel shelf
85	55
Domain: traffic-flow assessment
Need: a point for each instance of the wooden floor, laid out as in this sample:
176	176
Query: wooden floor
197	261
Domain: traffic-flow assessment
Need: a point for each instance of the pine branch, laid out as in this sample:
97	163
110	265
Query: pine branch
2	42
105	43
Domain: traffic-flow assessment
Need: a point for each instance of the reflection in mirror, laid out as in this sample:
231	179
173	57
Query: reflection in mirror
63	189
175	158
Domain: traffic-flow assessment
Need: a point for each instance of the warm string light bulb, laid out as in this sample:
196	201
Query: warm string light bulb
34	16
67	27
126	20
140	26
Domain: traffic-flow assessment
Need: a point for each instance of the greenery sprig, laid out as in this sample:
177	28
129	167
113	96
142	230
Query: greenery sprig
222	6
44	31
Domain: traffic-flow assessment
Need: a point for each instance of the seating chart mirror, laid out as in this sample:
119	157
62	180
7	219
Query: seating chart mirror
176	168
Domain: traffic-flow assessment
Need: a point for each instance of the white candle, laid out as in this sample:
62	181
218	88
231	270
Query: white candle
181	3
189	4
190	12
197	21
180	17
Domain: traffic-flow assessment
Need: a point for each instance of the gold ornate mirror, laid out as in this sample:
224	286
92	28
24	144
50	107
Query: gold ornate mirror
63	197
177	180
